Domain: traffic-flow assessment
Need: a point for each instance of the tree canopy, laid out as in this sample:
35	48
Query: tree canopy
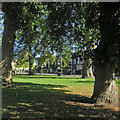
91	28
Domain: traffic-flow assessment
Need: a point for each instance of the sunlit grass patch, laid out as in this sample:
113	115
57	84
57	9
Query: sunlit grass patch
53	80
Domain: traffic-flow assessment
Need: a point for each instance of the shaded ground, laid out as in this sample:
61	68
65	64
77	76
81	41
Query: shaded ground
32	101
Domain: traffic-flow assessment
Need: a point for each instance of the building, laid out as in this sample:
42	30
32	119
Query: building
77	64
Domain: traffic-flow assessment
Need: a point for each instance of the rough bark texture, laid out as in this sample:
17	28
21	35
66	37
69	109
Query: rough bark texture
87	69
87	65
105	85
7	48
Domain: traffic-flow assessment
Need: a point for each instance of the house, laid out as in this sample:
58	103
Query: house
77	64
72	66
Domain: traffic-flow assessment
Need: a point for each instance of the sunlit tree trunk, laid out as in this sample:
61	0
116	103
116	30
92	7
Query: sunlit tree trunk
87	64
7	48
87	69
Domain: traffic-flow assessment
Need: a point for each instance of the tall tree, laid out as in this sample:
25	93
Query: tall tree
104	56
73	24
31	33
15	18
86	35
12	12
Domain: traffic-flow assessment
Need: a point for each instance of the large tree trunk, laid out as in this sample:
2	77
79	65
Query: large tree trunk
7	48
105	85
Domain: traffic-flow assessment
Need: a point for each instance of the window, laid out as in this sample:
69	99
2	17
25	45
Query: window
74	61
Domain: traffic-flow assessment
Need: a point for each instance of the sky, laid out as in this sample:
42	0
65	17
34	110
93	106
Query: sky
1	23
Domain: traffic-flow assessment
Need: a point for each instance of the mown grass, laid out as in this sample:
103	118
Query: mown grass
39	97
54	80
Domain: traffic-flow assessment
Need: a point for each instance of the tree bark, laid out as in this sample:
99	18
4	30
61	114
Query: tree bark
87	65
87	69
7	48
105	85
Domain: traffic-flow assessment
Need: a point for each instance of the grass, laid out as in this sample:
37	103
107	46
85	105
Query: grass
54	80
39	97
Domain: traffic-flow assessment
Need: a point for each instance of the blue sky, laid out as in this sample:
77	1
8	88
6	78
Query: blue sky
1	23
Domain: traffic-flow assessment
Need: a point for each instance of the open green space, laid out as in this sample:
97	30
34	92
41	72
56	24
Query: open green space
53	80
47	97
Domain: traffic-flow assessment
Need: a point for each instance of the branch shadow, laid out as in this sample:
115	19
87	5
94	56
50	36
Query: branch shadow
45	101
83	99
85	81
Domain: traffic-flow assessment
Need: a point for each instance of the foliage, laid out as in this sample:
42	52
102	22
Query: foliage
44	59
30	34
72	20
98	24
73	23
22	60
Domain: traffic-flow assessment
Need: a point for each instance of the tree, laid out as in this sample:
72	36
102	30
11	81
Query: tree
22	60
104	57
87	62
28	43
62	22
75	28
12	12
87	69
86	34
32	31
45	59
15	18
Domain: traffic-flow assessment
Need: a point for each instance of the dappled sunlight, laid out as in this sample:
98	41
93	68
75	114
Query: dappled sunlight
78	90
40	101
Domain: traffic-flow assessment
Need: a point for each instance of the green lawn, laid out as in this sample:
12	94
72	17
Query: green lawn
53	80
37	97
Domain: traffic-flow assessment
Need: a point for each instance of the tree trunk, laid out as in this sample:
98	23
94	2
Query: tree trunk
7	48
87	65
105	85
30	62
84	70
87	69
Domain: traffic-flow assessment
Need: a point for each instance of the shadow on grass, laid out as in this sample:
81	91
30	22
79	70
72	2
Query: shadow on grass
35	101
85	81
